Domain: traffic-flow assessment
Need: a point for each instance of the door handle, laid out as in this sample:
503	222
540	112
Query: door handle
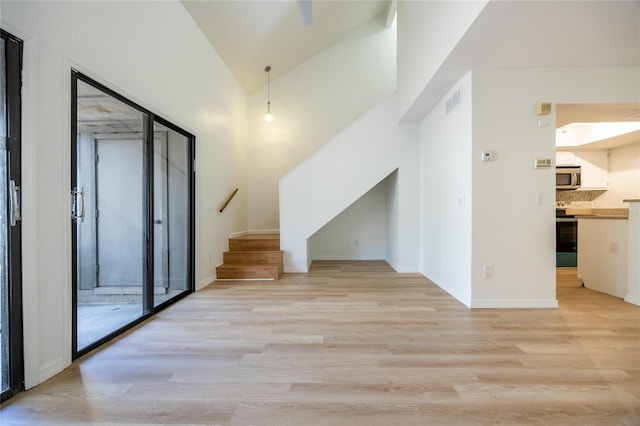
77	204
157	222
15	199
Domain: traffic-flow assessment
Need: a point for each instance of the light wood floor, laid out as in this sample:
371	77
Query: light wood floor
354	343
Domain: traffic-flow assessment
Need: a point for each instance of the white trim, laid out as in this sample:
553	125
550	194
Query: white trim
244	279
346	257
238	234
632	298
263	231
514	304
51	369
205	282
31	343
407	270
65	218
254	231
295	270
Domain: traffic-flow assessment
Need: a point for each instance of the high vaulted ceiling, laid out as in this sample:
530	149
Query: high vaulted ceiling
249	35
252	34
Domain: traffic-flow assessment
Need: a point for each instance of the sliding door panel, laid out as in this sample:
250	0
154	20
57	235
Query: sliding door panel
132	212
171	178
109	204
11	350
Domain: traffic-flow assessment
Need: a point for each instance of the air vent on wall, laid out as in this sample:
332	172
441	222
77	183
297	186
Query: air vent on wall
542	163
454	101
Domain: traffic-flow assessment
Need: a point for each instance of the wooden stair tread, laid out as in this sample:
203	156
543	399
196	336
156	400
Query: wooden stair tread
253	251
249	265
258	237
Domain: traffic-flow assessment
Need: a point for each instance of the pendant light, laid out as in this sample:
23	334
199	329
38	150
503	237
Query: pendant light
268	117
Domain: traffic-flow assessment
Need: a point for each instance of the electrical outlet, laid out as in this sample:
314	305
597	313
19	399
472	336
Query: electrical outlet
488	155
613	247
488	271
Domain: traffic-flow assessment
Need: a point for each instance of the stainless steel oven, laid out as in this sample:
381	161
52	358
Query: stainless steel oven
566	239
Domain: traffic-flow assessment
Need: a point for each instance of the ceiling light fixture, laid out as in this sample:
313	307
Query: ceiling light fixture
268	117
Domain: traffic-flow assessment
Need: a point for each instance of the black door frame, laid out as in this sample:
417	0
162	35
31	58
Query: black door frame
148	308
15	353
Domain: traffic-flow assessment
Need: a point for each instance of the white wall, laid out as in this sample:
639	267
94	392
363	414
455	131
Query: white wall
311	104
428	31
341	172
446	194
510	232
152	53
392	214
359	232
623	177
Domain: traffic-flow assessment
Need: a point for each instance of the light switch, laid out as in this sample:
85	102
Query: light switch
539	199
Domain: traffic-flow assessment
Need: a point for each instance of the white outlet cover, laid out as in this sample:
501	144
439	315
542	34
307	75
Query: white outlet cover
488	155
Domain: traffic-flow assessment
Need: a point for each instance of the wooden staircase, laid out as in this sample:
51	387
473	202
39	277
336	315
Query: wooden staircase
252	257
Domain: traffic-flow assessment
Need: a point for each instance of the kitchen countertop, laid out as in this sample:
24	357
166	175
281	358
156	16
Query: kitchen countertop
593	216
599	213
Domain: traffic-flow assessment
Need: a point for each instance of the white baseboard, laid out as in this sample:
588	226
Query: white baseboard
295	270
345	257
263	231
514	304
205	282
238	234
407	269
253	231
244	279
632	298
49	370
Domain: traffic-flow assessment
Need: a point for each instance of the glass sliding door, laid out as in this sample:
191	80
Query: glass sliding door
171	207
11	353
132	185
109	214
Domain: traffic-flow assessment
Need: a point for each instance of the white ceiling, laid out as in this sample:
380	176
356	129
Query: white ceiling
518	34
249	35
595	113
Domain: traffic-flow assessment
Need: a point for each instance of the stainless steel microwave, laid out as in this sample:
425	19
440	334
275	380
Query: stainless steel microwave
568	177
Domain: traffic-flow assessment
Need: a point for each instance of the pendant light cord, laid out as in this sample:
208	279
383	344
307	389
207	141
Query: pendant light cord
268	70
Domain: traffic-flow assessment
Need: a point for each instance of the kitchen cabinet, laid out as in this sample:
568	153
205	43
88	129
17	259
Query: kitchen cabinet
595	169
566	158
594	165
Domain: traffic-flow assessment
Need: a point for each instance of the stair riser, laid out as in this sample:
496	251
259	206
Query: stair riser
254	245
250	257
247	274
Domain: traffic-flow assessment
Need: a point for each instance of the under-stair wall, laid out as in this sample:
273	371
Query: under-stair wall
342	171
